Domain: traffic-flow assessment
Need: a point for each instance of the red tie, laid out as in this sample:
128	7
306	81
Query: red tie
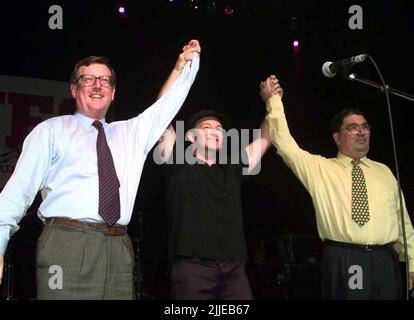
109	207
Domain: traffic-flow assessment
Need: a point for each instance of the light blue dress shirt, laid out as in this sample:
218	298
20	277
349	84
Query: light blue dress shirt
59	159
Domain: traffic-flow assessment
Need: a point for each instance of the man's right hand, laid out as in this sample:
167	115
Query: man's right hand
1	267
270	87
187	53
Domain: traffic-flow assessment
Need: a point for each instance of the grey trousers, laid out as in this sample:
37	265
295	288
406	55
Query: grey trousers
83	264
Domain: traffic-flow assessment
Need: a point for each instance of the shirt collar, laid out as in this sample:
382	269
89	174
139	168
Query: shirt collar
346	161
86	121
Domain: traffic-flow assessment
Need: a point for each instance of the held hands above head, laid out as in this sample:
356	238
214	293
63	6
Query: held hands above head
270	87
187	54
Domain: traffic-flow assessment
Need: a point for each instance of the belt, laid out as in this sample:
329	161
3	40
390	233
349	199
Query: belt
105	229
366	247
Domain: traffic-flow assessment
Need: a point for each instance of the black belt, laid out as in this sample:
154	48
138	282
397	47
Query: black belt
366	247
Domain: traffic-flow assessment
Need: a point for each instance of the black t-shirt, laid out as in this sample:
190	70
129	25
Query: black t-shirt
205	210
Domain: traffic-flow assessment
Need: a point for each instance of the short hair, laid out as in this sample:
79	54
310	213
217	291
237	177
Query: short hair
337	120
87	62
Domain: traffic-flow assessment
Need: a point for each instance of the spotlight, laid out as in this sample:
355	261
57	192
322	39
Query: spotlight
121	10
295	44
211	7
229	10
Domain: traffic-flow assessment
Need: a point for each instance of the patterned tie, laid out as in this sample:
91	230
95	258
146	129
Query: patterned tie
109	207
360	209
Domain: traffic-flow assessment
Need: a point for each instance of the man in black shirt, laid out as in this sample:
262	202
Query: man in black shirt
206	238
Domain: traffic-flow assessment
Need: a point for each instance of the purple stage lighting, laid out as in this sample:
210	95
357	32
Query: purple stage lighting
229	10
295	44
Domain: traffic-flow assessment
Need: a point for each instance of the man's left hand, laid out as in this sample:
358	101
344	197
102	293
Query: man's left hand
270	87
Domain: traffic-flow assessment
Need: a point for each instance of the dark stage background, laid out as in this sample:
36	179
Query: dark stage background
238	51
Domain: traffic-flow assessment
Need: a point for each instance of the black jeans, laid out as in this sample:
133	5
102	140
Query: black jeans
205	279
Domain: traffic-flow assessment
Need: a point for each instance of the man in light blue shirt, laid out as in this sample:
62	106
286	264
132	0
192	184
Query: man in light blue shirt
87	257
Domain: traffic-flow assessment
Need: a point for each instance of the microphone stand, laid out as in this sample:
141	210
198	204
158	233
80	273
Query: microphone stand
397	93
140	293
138	256
384	88
8	274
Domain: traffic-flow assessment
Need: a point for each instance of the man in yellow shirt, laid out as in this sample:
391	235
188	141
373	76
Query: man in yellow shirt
356	204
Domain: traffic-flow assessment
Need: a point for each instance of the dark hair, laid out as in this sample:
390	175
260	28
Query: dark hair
87	62
337	120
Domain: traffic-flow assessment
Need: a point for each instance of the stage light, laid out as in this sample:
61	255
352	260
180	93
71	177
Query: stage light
211	7
194	4
121	10
295	44
229	10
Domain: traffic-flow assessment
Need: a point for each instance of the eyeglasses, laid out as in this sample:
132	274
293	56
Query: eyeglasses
354	128
88	80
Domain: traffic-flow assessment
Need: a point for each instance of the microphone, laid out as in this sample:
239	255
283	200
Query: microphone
329	69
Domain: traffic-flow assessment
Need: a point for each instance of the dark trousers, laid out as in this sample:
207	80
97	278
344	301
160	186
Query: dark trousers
205	279
352	273
83	264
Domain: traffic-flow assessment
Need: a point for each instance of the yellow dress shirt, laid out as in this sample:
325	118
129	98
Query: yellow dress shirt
329	183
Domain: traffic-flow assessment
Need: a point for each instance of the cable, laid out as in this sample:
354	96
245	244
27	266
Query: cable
385	89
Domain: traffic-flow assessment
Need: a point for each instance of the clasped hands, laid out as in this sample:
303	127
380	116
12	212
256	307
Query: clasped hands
187	54
270	87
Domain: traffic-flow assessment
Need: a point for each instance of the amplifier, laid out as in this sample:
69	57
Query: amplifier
281	280
293	248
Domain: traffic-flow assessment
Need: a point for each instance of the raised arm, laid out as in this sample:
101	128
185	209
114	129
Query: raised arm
166	143
149	126
303	164
165	146
261	144
186	55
